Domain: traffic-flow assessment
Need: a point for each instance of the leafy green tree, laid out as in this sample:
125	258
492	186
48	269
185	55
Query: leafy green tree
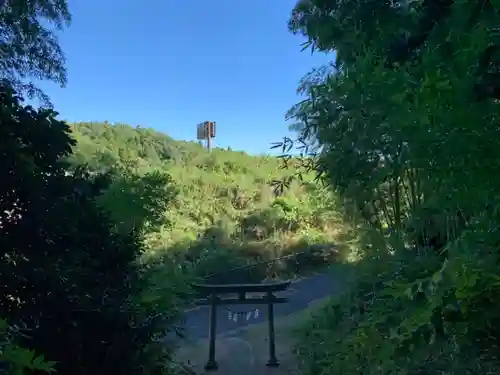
29	47
136	202
66	273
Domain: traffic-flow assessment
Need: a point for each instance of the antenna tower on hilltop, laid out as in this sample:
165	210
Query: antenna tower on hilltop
206	131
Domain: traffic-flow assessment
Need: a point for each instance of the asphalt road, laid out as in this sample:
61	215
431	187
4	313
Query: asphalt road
300	294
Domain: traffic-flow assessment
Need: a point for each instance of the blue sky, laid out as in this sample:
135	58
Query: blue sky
170	64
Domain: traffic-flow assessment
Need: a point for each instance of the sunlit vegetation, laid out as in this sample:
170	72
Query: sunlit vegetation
217	209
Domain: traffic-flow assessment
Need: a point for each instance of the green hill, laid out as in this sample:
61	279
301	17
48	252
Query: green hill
222	206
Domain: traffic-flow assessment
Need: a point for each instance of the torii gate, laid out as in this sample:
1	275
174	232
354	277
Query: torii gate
213	292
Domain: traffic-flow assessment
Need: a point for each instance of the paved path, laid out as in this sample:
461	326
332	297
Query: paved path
300	293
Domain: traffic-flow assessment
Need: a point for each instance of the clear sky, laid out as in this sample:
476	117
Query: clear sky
170	64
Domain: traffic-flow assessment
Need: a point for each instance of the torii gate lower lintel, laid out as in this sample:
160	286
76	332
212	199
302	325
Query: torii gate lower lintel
213	292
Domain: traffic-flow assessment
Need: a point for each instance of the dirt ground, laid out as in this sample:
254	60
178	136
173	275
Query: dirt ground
245	351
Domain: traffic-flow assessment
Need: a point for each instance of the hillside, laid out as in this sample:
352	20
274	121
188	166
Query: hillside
223	200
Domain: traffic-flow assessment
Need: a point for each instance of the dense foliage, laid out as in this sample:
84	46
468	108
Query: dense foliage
67	274
405	129
222	210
